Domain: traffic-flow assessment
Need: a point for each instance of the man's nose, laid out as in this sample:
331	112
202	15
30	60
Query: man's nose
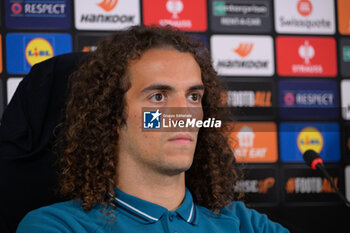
179	101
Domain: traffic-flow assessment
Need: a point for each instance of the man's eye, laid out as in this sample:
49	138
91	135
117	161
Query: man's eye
158	97
195	97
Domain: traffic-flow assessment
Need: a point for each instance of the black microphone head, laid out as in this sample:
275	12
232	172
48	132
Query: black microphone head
309	156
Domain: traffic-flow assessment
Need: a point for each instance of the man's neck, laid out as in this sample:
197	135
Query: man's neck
163	190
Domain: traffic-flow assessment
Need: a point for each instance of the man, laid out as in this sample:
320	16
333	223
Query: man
123	178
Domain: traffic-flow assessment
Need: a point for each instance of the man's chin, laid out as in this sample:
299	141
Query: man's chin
174	170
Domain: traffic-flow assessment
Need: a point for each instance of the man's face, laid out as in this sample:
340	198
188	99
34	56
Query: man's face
160	78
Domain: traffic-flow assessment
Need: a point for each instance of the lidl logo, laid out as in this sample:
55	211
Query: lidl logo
108	5
23	50
106	15
296	138
152	119
304	7
38	50
305	16
243	55
310	138
186	15
251	144
306	56
244	49
43	14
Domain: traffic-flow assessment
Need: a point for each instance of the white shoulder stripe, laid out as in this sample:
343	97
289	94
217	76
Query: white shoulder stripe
136	210
189	218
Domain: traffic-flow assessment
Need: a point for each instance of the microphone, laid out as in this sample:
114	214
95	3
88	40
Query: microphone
315	162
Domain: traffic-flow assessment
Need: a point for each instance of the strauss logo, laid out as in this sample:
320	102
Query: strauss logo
175	7
108	5
306	51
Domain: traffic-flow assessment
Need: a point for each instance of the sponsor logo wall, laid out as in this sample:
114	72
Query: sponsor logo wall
285	67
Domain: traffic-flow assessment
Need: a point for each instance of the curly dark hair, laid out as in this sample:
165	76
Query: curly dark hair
95	110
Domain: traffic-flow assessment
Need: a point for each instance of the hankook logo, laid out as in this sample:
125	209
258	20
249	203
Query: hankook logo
106	14
243	55
244	49
108	5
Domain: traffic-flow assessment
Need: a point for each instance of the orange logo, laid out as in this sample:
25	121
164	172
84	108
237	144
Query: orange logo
108	5
344	17
244	49
304	7
255	142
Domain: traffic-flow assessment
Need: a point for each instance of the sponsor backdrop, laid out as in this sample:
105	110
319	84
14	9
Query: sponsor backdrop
286	66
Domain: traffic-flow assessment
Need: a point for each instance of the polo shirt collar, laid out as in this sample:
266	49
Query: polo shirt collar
148	212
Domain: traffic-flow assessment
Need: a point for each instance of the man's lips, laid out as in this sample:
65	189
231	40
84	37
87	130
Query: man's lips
181	138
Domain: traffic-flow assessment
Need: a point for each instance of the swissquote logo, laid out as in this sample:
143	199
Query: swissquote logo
184	14
243	55
305	16
106	14
306	56
304	7
175	119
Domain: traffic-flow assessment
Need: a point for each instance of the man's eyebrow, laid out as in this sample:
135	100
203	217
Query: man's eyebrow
196	87
164	87
154	87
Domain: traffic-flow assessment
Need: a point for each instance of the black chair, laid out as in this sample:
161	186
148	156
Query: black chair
27	175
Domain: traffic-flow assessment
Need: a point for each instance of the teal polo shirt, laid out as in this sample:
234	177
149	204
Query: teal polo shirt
136	215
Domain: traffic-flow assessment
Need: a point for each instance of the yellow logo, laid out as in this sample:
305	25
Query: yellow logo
38	50
310	138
